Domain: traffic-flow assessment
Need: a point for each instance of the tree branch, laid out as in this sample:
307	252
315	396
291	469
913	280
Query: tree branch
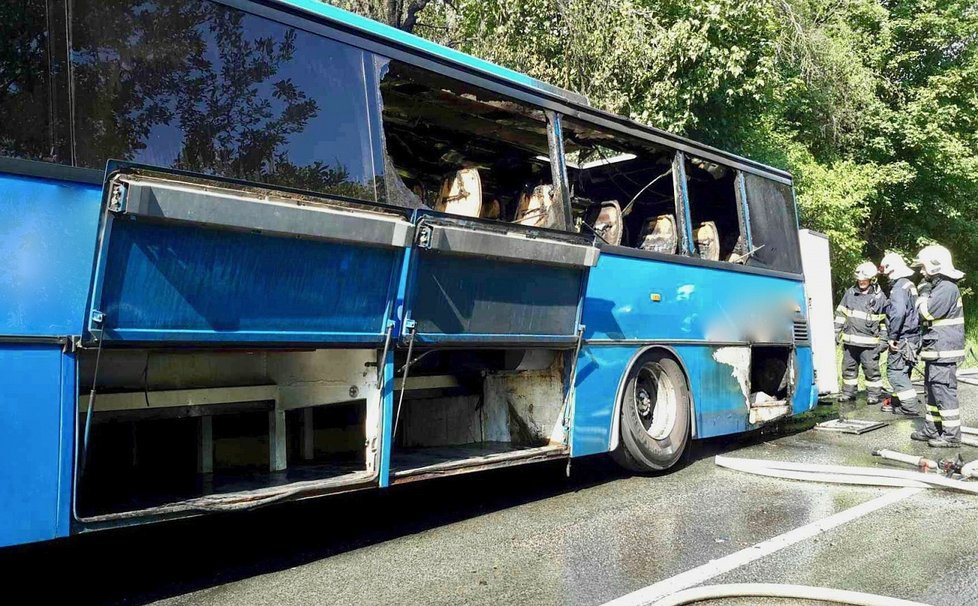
411	17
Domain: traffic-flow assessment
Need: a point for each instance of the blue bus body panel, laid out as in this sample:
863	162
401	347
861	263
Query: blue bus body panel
697	303
599	372
170	282
455	298
36	438
478	300
47	242
700	310
720	405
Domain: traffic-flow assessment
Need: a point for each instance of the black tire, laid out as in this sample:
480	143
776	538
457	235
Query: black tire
648	443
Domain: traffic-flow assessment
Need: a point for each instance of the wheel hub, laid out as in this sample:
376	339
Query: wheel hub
655	401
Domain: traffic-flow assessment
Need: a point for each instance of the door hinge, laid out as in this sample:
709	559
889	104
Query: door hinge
424	237
116	194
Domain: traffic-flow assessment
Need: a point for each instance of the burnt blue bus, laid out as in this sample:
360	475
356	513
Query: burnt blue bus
256	251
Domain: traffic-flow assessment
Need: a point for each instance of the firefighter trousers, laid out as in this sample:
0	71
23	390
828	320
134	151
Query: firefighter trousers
898	370
869	359
943	419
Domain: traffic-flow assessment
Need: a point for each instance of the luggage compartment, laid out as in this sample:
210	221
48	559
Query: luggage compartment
475	409
233	342
186	260
178	432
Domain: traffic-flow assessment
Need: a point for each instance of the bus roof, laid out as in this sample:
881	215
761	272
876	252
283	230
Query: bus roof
576	103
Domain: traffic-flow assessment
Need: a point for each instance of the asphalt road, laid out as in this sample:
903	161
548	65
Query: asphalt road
533	536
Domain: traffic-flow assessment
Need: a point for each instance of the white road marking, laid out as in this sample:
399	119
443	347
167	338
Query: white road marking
715	568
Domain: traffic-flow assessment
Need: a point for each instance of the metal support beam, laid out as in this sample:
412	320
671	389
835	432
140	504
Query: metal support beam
308	435
205	448
276	441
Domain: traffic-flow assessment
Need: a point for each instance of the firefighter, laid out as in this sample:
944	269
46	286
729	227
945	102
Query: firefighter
903	329
942	347
859	324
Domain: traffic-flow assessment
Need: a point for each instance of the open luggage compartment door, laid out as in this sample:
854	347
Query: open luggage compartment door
184	259
474	282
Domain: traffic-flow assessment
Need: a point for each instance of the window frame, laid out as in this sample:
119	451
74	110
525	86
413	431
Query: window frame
743	210
686	253
554	152
790	205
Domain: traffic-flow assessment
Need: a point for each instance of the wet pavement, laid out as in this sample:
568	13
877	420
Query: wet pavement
532	535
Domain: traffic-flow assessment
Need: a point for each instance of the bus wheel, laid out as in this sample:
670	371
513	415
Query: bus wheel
654	415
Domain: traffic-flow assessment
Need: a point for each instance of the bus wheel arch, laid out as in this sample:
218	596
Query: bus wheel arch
654	411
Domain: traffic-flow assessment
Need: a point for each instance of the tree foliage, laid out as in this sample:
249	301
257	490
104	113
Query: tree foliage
871	104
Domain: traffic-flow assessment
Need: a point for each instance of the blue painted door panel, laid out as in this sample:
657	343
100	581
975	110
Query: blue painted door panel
806	393
468	299
172	282
36	437
460	298
47	242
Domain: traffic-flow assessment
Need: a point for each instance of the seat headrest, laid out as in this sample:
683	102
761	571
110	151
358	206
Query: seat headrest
536	209
707	239
659	235
609	223
461	194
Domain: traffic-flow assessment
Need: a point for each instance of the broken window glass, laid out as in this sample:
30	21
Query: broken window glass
622	188
773	224
466	151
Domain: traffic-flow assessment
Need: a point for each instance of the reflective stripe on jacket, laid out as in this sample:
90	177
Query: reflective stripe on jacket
942	313
861	317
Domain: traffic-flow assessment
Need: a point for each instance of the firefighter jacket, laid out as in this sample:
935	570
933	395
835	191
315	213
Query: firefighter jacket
942	313
902	321
861	317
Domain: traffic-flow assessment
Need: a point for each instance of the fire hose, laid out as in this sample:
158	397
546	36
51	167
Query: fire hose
771	590
842	474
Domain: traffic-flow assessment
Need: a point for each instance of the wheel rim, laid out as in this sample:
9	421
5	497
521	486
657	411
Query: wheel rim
656	402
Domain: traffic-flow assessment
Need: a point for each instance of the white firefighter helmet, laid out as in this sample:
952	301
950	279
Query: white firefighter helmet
894	267
865	271
935	259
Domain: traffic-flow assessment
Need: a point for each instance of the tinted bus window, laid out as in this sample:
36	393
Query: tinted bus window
774	227
31	82
203	87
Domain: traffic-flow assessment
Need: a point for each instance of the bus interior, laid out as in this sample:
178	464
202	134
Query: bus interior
628	191
465	151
